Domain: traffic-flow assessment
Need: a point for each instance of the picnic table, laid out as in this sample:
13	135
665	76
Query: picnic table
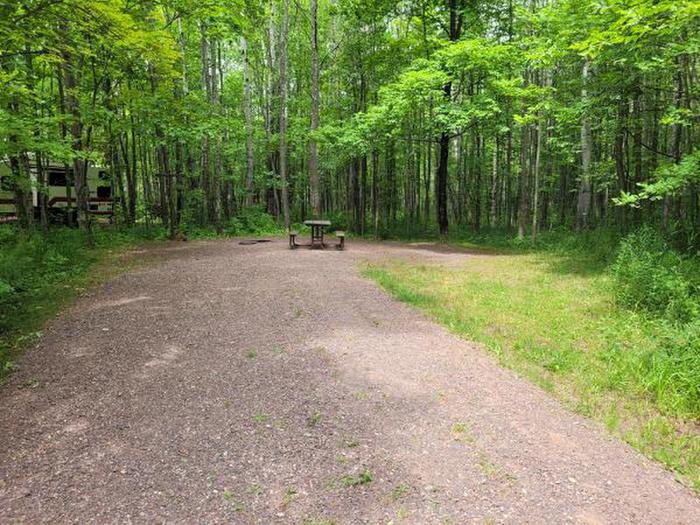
317	227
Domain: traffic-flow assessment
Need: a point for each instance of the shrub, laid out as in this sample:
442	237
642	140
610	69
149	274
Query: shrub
339	220
6	291
649	276
255	220
675	371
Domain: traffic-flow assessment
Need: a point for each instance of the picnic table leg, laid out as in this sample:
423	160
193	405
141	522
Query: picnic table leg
317	237
314	235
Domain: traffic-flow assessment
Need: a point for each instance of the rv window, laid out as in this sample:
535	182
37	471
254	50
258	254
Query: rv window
57	178
104	191
6	184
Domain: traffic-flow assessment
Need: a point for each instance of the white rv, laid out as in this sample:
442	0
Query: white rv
59	199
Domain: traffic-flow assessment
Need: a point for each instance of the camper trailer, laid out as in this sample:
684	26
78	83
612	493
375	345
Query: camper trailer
60	196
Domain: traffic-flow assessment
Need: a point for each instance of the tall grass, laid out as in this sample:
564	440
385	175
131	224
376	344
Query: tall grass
661	284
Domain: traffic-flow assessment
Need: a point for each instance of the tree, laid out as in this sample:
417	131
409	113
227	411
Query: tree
247	108
283	112
455	10
315	186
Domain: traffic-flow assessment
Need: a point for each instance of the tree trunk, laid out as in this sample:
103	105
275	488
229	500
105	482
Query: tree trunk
391	190
214	195
19	165
283	112
455	29
619	152
536	189
675	145
42	200
376	200
524	186
583	207
494	185
40	175
76	131
314	183
248	111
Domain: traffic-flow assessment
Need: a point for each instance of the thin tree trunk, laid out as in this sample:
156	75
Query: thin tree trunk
19	165
76	131
247	110
283	112
214	196
494	184
375	191
583	207
314	183
536	189
40	175
675	145
524	186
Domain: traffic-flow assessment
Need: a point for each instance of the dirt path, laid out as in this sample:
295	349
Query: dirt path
254	384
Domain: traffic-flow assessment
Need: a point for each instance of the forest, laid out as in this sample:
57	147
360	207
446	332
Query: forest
403	117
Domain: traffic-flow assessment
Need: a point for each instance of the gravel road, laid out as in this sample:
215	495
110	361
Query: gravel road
254	384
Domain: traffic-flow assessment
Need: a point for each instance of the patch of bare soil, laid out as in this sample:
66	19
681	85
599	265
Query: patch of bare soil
256	384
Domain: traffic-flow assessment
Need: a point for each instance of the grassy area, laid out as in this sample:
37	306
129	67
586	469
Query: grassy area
552	315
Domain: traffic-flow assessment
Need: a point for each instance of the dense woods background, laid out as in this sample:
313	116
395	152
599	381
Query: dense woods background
383	116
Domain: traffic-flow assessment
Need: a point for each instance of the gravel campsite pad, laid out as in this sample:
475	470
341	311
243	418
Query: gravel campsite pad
257	384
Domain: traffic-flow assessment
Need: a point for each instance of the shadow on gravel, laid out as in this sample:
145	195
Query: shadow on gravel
449	249
247	242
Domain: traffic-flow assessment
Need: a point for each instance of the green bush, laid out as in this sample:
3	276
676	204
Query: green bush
6	291
252	221
650	276
674	373
339	220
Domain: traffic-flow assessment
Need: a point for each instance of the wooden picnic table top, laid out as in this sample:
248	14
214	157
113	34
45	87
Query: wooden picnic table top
317	223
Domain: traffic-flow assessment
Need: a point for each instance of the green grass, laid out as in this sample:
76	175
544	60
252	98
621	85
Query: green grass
261	418
362	478
549	314
230	498
399	491
289	496
313	419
